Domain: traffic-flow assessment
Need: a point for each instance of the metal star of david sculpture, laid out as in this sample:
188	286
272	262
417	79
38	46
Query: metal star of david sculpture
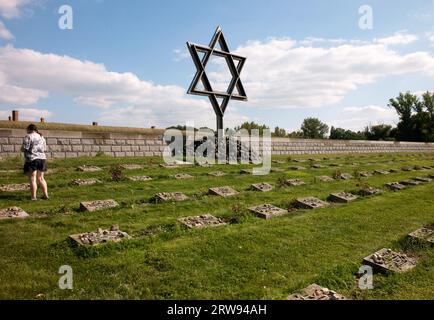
235	63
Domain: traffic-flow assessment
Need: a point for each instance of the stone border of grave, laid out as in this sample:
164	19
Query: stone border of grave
342	197
370	191
97	205
423	234
182	176
139	178
294	182
380	261
13	213
316	292
395	186
224	191
85	182
203	221
99	237
171	196
268	211
88	168
310	203
15	187
262	187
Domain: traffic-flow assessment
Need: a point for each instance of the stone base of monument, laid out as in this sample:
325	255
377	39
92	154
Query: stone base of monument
86	168
310	203
381	171
423	179
217	174
97	205
139	178
15	187
423	234
263	186
316	292
85	182
388	260
325	178
182	176
268	211
370	191
131	166
223	191
342	197
410	182
297	168
202	221
100	236
170	196
12	213
294	182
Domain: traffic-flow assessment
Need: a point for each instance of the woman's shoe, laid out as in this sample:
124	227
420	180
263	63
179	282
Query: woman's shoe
33	199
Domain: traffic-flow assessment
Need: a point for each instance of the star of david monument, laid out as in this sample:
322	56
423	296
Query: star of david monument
219	99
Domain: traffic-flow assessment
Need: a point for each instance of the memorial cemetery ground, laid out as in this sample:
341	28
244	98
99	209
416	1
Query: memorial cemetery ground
243	254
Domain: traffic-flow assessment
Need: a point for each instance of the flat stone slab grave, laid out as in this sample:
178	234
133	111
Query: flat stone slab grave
423	179
217	174
311	203
182	176
325	179
169	166
297	168
388	260
279	161
407	168
171	196
86	168
139	178
381	171
395	186
12	213
131	166
316	292
318	166
410	182
15	187
85	182
100	236
294	182
223	191
96	205
345	176
365	174
202	221
277	170
424	234
263	186
342	197
268	211
370	191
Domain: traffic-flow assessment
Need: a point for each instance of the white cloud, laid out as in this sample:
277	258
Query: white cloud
5	33
357	118
12	8
279	74
29	114
399	38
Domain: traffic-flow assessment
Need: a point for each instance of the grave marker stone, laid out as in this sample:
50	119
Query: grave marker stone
395	186
171	196
131	166
202	221
370	191
223	191
268	211
217	174
96	205
15	187
325	178
139	178
424	234
263	186
85	182
294	182
310	203
182	176
297	168
342	197
13	213
316	292
88	168
423	179
410	182
388	260
100	236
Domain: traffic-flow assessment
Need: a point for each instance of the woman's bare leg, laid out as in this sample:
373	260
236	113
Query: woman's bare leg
33	185
43	184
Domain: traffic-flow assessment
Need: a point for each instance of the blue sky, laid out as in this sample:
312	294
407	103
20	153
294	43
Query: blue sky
125	62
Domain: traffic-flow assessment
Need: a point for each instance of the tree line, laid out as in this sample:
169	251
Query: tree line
416	123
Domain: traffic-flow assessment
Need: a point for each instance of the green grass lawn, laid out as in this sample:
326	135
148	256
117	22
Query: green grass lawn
250	258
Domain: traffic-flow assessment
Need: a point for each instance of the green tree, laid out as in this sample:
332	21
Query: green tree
404	106
379	132
343	134
249	126
279	132
313	128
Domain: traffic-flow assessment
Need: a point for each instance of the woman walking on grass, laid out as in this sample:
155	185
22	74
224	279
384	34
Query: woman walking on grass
34	147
